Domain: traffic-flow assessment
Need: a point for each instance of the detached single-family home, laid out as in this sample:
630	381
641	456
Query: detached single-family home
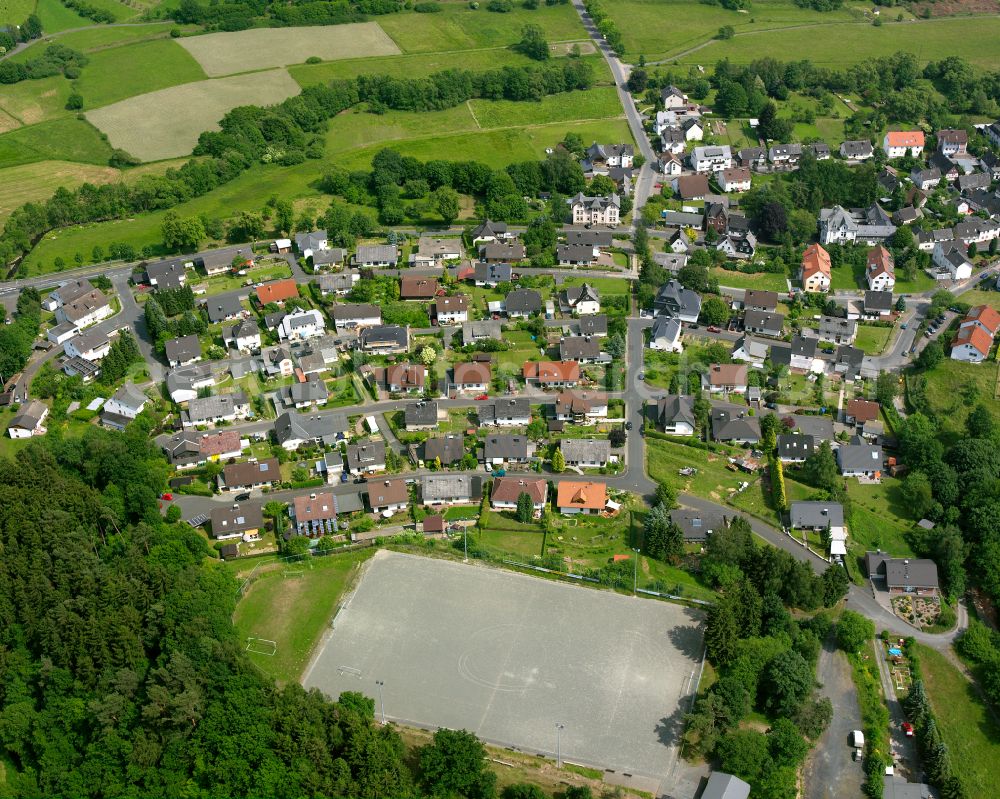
502	252
925	179
860	460
581	300
448	449
732	423
581	407
860	150
378	255
815	271
595	210
582	497
837	330
711	158
551	374
309	394
388	496
784	156
691	187
500	449
511	412
491	275
241	520
277	291
673	97
474	331
748	351
897	143
952	142
29	420
795	447
366	457
402	378
675	415
695	525
354	316
310	243
224	307
434	251
489	231
85	309
582	349
471	377
421	415
315	515
877	304
522	303
752	157
903	575
185	384
451	489
339	283
975	335
215	409
763	323
866	225
166	275
302	325
91	345
507	491
252	475
586	453
726	377
127	402
675	300
189	448
385	340
417	287
859	411
816	515
666	334
183	351
575	255
451	310
735	179
243	336
880	269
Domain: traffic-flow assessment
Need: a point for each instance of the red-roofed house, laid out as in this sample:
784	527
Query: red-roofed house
984	317
881	269
972	345
507	490
581	497
277	291
815	272
898	143
471	377
553	374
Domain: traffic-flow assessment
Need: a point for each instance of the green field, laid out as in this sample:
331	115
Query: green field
753	280
14	12
56	17
596	103
458	27
657	30
98	37
120	72
952	384
879	518
66	139
872	338
38	181
976	39
32	101
294	611
967	725
713	481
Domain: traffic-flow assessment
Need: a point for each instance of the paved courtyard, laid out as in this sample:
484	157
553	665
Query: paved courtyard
508	656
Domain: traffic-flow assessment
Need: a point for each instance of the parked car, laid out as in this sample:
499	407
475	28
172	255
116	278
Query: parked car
628	425
242	497
483	397
167	497
713	329
907	729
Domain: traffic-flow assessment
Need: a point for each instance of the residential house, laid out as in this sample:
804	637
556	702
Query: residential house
507	491
758	300
860	460
859	411
489	231
128	402
802	353
738	247
91	345
596	239
595	210
902	575
752	157
355	316
385	340
732	423
471	377
947	168
870	225
187	448
481	331
952	262
433	251
975	335
277	361
763	323
302	325
511	412
366	457
679	244
857	150
388	496
338	284
421	415
85	309
711	158
735	179
581	497
452	310
673	97
308	244
784	156
224	307
183	351
417	287
897	143
225	259
665	334
582	349
675	415
691	187
500	449
167	275
878	304
906	215
925	179
602	156
378	255
29	420
502	252
880	269
816	515
522	303
837	330
451	489
977	180
61	333
819	427
67	293
241	520
726	377
815	270
402	378
820	150
551	374
683	219
575	255
252	475
581	407
215	409
491	275
586	453
315	515
447	449
277	291
795	448
670	164
952	142
593	325
580	300
675	300
848	362
308	394
243	336
695	525
749	351
185	384
86	370
292	430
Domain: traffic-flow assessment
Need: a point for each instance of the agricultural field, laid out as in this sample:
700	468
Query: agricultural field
117	73
266	48
596	103
56	17
14	12
167	123
977	39
293	609
38	181
99	37
66	139
32	101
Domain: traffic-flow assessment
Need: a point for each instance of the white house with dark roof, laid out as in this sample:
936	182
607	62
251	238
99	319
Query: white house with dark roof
595	210
378	255
183	351
302	325
127	401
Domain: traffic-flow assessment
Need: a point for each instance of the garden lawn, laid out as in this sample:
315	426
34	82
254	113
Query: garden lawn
294	611
713	480
66	139
872	338
977	39
120	72
979	297
879	518
967	725
762	281
459	27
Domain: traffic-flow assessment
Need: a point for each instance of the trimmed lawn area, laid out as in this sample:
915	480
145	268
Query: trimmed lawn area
293	611
769	281
968	727
980	297
713	480
872	338
600	102
878	518
14	12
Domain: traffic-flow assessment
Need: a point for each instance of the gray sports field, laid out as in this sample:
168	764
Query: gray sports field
507	656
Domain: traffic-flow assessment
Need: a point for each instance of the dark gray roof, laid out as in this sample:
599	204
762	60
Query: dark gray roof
817	515
859	457
312	390
585	450
510	409
489	228
593	325
819	427
764	300
792	445
422	413
293	426
897	788
507	447
493	273
351	311
770	323
206	409
211	259
379	253
911	573
223	306
574	253
384	336
183	349
673	408
444	486
524	301
589	238
237	519
576	348
697	525
731	423
365	454
878	300
449	448
804	347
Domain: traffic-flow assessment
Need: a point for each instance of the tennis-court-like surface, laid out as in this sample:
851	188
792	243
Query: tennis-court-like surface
509	656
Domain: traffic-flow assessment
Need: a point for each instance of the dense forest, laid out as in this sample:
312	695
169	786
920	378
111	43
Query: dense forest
120	670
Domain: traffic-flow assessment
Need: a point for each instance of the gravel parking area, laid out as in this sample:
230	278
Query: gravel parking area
509	656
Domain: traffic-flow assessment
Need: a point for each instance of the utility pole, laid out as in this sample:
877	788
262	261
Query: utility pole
381	703
465	541
559	728
635	572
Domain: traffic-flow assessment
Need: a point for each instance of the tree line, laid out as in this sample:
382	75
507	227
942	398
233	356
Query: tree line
237	16
286	133
18	337
56	59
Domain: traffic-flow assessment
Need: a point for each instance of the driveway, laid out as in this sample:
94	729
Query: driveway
904	750
830	773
